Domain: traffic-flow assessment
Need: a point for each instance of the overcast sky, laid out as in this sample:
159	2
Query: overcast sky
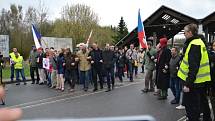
110	11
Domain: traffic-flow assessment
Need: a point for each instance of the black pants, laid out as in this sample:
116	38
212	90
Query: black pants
71	77
97	71
196	102
110	76
143	68
212	98
120	73
32	70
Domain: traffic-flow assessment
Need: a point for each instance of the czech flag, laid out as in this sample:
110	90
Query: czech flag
141	33
37	37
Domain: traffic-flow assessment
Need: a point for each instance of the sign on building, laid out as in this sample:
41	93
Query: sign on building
57	43
4	45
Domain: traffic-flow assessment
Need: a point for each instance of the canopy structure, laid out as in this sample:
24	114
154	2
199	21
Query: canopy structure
208	24
166	22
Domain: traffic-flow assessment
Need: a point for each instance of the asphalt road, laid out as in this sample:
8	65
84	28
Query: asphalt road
39	102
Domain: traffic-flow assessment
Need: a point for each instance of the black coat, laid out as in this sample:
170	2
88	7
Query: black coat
96	56
108	57
163	78
121	61
212	69
40	63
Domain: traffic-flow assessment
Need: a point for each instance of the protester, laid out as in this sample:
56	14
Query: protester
175	84
116	53
41	70
53	69
33	65
84	65
131	56
149	63
126	61
60	68
163	74
140	57
120	63
71	66
108	56
97	65
49	67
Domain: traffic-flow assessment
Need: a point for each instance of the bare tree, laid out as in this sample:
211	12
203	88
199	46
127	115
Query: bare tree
4	22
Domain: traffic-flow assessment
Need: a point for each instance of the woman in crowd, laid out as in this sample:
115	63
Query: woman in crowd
120	63
71	66
163	74
60	70
53	62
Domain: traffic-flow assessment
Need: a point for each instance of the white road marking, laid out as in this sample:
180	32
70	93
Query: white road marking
41	100
64	99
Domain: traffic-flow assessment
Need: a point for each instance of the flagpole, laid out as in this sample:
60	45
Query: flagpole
88	39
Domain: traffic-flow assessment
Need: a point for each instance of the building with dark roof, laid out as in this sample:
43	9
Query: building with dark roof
166	22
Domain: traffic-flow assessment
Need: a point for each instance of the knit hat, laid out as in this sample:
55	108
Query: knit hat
163	42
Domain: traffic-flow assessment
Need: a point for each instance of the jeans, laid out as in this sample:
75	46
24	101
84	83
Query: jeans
54	77
130	70
135	70
175	87
21	71
84	77
11	72
110	76
90	75
49	78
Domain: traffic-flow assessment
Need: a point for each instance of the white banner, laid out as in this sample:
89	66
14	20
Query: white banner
4	45
46	63
57	43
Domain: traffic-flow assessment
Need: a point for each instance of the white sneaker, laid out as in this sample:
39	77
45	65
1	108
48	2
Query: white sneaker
180	107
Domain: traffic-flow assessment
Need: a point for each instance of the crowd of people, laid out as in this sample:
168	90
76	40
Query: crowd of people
188	73
54	68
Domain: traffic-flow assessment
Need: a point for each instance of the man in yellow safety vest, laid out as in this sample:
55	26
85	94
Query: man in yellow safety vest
194	70
18	66
12	56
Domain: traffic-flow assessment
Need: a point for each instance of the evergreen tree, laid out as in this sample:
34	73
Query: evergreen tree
122	31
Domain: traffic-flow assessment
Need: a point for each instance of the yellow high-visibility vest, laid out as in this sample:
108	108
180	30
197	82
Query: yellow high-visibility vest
18	62
203	74
12	55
